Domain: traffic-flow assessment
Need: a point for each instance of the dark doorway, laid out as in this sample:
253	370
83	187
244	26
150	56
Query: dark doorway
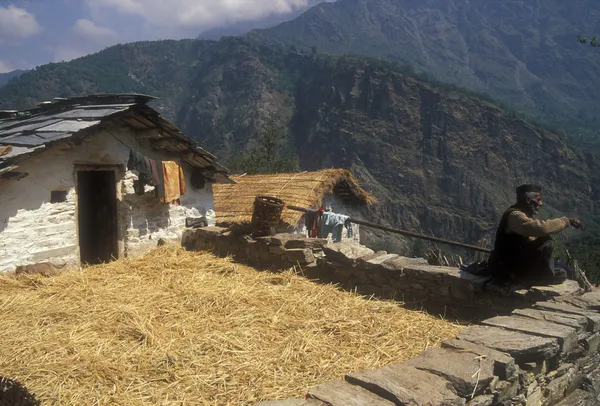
97	212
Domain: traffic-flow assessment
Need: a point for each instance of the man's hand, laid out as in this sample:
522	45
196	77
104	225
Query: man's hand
576	223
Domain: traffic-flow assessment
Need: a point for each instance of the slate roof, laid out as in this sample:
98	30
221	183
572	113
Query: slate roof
30	132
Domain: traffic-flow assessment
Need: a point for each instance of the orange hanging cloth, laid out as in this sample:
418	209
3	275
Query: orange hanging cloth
174	182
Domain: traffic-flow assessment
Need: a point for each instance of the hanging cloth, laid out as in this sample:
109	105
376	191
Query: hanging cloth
349	228
174	182
146	168
333	223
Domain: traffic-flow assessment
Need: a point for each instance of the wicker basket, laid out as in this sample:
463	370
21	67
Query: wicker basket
267	215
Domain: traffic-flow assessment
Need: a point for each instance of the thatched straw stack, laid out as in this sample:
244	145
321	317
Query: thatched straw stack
234	204
175	328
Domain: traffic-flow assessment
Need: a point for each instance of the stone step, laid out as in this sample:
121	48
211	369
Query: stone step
570	320
593	318
504	364
345	253
567	336
589	301
407	385
579	398
567	288
341	393
463	370
522	347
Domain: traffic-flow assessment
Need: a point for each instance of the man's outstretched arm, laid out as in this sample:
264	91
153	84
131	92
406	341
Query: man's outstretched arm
519	223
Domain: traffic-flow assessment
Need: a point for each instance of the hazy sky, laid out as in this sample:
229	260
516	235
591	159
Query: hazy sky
34	32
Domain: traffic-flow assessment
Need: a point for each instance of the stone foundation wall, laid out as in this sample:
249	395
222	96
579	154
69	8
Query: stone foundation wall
535	348
443	290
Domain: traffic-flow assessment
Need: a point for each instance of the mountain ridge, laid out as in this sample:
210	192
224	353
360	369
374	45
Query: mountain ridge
439	161
522	53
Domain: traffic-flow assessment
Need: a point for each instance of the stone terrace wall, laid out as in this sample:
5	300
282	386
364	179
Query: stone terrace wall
443	290
542	356
540	348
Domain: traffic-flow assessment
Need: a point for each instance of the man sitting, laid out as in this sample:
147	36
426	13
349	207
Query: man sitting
523	251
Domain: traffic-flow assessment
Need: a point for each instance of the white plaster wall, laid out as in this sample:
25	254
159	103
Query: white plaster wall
33	230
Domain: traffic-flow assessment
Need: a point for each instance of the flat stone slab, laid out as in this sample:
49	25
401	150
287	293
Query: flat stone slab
591	299
345	253
571	320
567	336
504	364
427	273
522	347
567	288
592	317
459	368
406	385
292	402
578	398
341	393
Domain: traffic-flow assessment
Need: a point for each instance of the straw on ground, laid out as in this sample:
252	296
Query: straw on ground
175	327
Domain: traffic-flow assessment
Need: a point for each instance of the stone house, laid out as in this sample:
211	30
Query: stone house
331	188
67	195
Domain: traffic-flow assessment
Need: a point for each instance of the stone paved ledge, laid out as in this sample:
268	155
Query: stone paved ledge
537	347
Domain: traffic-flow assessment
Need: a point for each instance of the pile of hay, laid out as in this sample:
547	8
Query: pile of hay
175	327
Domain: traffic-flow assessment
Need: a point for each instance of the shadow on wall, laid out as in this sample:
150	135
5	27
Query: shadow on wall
145	214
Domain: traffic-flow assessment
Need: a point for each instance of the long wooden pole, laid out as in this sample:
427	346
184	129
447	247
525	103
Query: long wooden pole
403	232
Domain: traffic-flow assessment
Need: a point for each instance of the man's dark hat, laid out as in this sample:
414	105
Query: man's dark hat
521	190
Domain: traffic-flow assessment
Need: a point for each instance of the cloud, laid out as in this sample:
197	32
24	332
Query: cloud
201	14
17	23
84	37
65	53
90	30
5	67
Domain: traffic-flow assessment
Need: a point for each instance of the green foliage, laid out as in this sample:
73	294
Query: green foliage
418	248
593	41
270	154
586	250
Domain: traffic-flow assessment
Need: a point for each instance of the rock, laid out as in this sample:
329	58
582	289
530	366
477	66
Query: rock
592	317
345	253
535	399
371	256
567	288
578	398
406	385
406	261
567	336
504	364
571	320
591	343
340	393
557	388
590	300
483	400
313	243
459	368
292	402
381	259
535	368
277	250
507	390
192	236
427	273
522	347
303	256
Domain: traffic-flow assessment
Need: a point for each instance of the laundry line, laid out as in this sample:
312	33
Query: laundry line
404	232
